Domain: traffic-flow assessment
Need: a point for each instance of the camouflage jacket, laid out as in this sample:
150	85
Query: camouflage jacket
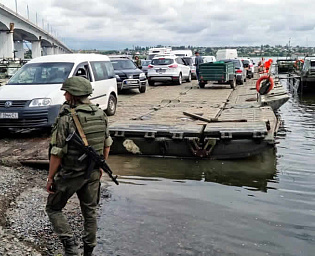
64	126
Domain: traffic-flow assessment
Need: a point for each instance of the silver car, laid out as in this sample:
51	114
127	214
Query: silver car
144	66
240	71
191	63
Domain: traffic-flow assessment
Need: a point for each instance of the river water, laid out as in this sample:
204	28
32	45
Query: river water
258	206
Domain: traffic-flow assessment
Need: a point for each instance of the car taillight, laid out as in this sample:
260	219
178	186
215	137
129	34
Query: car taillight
239	71
150	66
173	66
251	65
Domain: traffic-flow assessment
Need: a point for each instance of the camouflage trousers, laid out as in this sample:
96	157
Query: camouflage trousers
88	192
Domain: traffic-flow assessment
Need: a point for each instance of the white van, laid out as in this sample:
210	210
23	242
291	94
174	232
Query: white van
182	53
208	59
225	54
155	51
32	97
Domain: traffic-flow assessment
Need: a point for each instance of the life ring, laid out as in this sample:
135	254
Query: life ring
298	63
269	85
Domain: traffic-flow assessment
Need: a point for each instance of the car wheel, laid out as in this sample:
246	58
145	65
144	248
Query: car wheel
111	107
4	132
233	83
142	88
241	82
179	80
189	78
202	84
151	83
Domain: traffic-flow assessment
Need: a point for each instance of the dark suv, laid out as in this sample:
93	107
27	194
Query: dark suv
128	75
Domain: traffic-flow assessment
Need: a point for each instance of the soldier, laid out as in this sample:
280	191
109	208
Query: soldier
67	174
138	62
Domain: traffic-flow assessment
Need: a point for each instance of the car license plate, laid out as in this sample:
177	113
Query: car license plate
6	115
131	82
160	71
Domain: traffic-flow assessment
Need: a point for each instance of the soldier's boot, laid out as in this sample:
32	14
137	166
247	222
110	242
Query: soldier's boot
88	250
70	246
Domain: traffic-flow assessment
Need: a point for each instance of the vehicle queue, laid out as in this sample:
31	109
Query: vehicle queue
42	78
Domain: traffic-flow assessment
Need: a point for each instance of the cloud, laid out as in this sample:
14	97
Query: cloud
303	27
176	22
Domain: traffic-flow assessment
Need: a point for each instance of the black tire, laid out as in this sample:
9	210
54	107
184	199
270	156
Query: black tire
4	132
233	83
111	107
202	84
241	82
142	88
151	83
179	80
189	78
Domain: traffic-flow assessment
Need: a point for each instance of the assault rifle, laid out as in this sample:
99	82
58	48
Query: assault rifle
94	157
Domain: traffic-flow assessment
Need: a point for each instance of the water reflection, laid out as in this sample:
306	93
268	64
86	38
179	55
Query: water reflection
253	173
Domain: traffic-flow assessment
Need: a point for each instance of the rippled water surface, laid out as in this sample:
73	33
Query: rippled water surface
258	206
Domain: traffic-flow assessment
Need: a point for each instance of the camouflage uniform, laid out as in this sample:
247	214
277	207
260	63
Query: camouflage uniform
70	177
138	62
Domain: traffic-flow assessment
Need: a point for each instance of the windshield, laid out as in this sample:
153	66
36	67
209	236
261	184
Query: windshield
189	61
162	61
237	63
123	64
42	73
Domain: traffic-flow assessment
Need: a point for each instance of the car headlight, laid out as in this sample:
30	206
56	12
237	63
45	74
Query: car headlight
40	103
117	76
142	75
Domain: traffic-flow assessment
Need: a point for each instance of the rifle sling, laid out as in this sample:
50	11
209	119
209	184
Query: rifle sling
79	127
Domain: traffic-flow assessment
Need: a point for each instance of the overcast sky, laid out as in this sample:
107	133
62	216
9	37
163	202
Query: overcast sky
117	24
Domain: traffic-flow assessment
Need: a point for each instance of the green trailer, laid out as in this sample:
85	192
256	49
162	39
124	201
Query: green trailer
220	71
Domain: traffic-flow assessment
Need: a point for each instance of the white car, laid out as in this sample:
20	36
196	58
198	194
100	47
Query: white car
32	97
168	68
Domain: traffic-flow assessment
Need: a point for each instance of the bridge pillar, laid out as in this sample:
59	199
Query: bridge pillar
6	44
18	47
50	50
36	49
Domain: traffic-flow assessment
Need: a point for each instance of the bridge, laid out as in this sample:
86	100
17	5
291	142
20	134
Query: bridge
15	29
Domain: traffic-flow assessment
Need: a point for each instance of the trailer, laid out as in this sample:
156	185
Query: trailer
221	71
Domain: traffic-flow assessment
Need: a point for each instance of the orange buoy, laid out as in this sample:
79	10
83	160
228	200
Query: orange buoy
267	85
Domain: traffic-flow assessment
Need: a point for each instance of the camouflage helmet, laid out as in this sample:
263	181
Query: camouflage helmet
77	86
